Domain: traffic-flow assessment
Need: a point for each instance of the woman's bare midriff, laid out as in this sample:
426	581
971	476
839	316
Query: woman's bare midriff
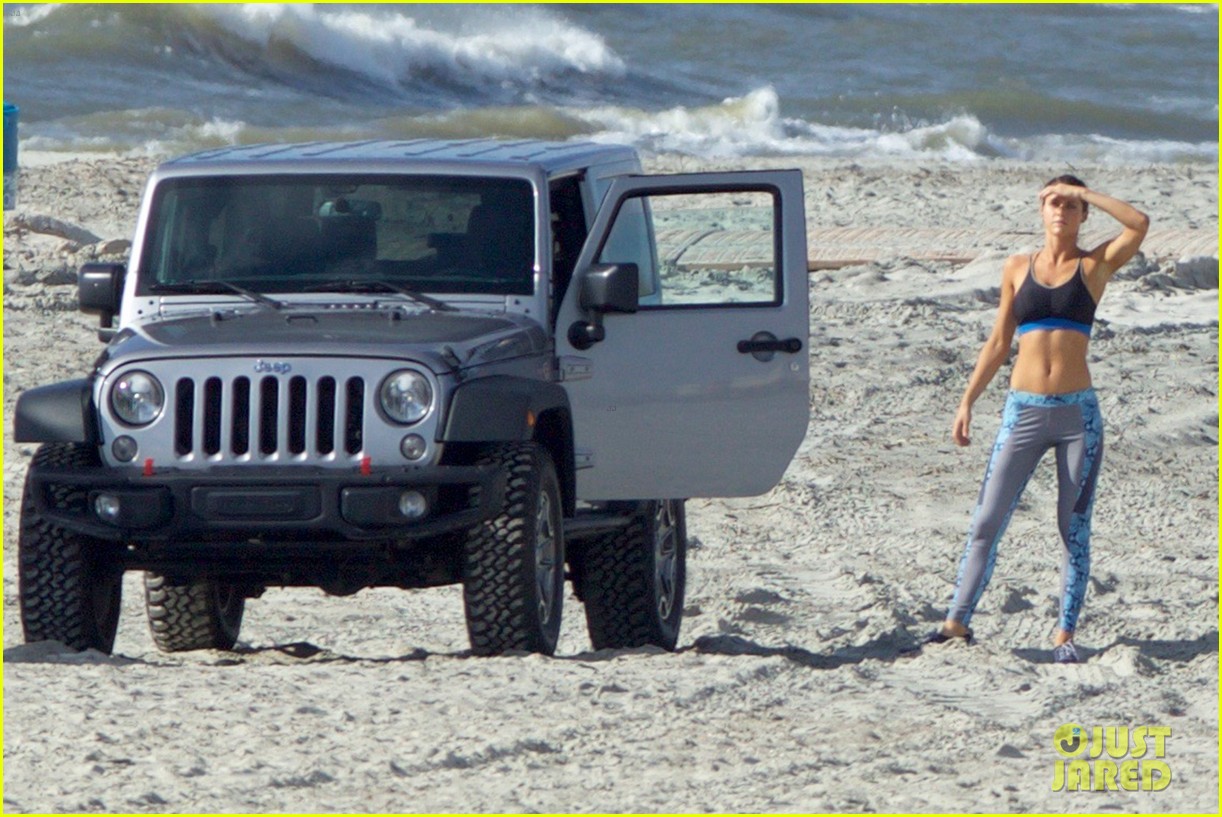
1051	362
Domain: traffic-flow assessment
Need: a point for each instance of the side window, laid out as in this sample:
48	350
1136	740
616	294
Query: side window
630	241
711	248
569	231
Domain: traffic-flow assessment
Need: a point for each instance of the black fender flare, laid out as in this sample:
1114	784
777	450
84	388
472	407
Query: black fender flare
503	408
57	413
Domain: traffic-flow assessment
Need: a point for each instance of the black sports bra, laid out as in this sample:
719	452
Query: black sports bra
1068	306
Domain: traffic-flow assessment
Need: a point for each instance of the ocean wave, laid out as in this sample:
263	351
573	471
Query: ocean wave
22	16
409	56
1098	149
738	127
753	125
388	47
152	131
822	83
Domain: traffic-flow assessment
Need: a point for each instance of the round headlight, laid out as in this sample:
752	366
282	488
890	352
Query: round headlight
406	396
137	398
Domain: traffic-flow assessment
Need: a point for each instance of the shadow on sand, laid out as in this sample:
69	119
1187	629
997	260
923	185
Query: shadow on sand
886	647
1151	649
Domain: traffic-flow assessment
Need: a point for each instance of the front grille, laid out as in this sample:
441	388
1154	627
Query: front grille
270	417
291	410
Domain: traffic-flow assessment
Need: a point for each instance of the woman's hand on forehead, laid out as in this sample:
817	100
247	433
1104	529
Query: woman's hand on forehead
1064	191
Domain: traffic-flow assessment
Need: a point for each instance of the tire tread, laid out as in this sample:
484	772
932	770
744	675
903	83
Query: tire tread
184	615
498	571
57	567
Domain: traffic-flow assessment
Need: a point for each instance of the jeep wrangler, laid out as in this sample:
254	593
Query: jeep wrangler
410	364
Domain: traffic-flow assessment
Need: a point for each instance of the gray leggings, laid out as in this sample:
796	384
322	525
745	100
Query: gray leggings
1032	424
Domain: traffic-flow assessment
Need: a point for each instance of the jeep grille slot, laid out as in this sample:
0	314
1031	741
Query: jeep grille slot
184	415
269	417
241	416
324	440
297	414
269	408
353	430
212	416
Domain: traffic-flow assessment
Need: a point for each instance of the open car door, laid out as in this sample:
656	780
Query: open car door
697	383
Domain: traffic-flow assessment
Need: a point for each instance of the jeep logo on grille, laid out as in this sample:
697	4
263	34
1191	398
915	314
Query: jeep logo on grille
275	367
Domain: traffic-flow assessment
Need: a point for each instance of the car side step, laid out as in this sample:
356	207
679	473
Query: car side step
595	523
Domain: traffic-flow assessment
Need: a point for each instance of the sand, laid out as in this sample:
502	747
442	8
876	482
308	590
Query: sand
791	689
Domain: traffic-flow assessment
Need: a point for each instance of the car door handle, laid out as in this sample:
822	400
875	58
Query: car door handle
769	343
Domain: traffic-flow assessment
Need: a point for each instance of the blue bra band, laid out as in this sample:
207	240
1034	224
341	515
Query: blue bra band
1053	323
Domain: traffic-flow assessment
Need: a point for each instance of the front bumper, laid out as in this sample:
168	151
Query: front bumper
240	503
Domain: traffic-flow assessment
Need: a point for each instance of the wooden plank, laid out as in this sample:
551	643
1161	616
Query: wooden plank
817	264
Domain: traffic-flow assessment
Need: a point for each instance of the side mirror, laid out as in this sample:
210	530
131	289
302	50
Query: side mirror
608	288
100	291
611	288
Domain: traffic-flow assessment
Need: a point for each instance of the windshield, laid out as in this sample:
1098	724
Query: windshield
440	234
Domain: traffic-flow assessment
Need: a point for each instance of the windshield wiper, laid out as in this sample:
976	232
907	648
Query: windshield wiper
215	288
378	285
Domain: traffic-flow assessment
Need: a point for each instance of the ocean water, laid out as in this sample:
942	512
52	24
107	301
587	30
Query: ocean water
1091	83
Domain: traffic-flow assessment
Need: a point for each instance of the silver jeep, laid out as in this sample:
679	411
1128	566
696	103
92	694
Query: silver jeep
417	363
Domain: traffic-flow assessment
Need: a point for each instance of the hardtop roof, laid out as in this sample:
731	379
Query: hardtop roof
551	157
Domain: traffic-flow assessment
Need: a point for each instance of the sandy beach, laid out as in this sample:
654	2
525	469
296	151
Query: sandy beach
793	688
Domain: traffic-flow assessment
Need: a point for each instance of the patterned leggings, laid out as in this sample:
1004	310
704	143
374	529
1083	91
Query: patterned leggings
1032	424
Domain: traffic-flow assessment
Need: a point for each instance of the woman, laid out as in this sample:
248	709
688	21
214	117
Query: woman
1049	298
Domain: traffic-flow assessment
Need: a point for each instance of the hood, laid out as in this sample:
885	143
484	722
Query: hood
444	341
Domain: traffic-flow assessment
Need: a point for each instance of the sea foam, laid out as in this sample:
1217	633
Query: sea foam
753	125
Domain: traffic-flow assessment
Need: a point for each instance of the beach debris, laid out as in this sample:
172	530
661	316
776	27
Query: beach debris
1198	273
49	225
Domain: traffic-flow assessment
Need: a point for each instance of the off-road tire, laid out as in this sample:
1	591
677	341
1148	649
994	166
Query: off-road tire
199	614
633	579
513	571
70	585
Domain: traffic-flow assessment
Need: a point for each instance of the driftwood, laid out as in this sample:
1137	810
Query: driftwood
48	225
